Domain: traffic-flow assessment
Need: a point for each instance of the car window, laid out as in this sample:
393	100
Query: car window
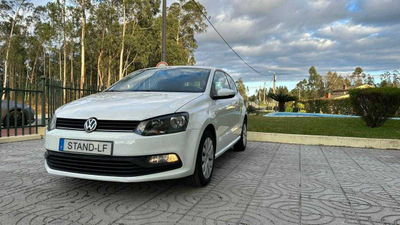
164	80
231	83
219	82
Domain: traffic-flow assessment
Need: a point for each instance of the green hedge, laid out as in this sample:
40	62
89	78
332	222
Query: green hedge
375	105
328	106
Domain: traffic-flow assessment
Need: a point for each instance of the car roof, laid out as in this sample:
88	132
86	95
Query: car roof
174	67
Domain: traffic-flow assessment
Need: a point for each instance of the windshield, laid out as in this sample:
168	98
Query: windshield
164	80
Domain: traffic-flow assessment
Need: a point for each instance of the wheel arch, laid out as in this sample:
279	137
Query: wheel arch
10	110
210	127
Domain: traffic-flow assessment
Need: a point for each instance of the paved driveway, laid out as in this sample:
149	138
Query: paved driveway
267	184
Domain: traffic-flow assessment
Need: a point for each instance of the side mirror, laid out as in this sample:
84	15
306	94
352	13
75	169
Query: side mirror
225	93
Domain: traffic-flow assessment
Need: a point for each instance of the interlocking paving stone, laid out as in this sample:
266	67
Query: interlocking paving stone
269	183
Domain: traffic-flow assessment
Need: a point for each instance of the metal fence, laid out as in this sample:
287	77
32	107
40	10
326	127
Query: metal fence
24	109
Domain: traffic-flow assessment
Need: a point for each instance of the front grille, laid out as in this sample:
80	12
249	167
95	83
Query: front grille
102	125
105	165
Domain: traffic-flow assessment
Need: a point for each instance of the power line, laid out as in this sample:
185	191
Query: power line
226	42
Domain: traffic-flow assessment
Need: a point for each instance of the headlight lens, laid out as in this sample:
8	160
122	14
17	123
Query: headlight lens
52	124
163	125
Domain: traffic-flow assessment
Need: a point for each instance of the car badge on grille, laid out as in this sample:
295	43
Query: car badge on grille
90	125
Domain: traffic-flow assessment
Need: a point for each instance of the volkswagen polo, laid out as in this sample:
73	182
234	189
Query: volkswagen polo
154	124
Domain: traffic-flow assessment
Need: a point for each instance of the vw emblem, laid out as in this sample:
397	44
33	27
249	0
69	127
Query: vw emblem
90	125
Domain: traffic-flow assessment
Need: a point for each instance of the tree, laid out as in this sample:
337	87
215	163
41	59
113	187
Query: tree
357	76
64	28
88	35
282	89
281	98
184	20
83	8
315	83
389	79
10	13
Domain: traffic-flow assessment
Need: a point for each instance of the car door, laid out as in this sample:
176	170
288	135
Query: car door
221	109
235	111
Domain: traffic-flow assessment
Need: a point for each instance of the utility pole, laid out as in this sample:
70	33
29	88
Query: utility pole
164	32
264	92
274	87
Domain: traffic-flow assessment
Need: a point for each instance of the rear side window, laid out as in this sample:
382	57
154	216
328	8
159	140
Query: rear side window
219	82
231	83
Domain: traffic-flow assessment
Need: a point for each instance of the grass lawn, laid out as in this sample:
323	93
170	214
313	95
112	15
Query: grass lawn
345	127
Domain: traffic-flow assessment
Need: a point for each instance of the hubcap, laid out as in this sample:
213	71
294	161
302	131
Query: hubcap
207	159
244	135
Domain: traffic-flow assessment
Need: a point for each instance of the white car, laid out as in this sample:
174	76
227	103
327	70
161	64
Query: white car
154	124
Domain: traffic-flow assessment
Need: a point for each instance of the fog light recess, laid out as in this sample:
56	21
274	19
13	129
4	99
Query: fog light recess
169	158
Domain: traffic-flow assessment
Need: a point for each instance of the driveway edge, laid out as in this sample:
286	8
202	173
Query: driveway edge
28	137
325	140
20	138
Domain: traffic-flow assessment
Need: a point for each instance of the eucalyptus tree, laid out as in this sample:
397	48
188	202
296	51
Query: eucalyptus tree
56	20
43	33
137	16
185	19
11	14
101	40
72	27
83	6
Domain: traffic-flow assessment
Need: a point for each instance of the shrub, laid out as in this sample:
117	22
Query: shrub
251	109
289	109
375	105
328	106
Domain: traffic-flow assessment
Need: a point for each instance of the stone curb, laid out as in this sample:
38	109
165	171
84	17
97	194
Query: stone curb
325	140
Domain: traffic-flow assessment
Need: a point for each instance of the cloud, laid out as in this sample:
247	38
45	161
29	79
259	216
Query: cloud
289	36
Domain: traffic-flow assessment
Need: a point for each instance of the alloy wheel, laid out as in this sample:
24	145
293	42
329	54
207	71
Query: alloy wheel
244	135
207	159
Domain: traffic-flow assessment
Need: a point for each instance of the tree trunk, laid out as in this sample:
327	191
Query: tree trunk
109	72
72	64
50	66
99	75
100	59
281	106
121	57
44	63
83	66
34	68
179	24
9	43
65	51
60	61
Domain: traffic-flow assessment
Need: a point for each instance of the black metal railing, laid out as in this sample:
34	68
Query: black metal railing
25	108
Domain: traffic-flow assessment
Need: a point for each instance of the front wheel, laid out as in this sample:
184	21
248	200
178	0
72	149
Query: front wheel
241	144
204	162
13	116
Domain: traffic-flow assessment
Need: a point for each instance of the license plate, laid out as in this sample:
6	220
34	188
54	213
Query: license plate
88	147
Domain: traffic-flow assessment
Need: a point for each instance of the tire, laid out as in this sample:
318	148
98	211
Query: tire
242	143
11	116
202	174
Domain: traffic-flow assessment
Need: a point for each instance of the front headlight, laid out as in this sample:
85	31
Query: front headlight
163	125
52	124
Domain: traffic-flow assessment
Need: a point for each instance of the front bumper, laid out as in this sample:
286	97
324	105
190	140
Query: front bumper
130	145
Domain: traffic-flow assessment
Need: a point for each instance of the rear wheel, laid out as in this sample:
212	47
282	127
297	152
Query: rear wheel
241	144
204	162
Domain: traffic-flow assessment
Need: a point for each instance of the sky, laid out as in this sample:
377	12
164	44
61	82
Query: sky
286	37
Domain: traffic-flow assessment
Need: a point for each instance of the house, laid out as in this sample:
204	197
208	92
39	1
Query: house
344	93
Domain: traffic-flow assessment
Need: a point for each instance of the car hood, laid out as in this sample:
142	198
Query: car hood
126	105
